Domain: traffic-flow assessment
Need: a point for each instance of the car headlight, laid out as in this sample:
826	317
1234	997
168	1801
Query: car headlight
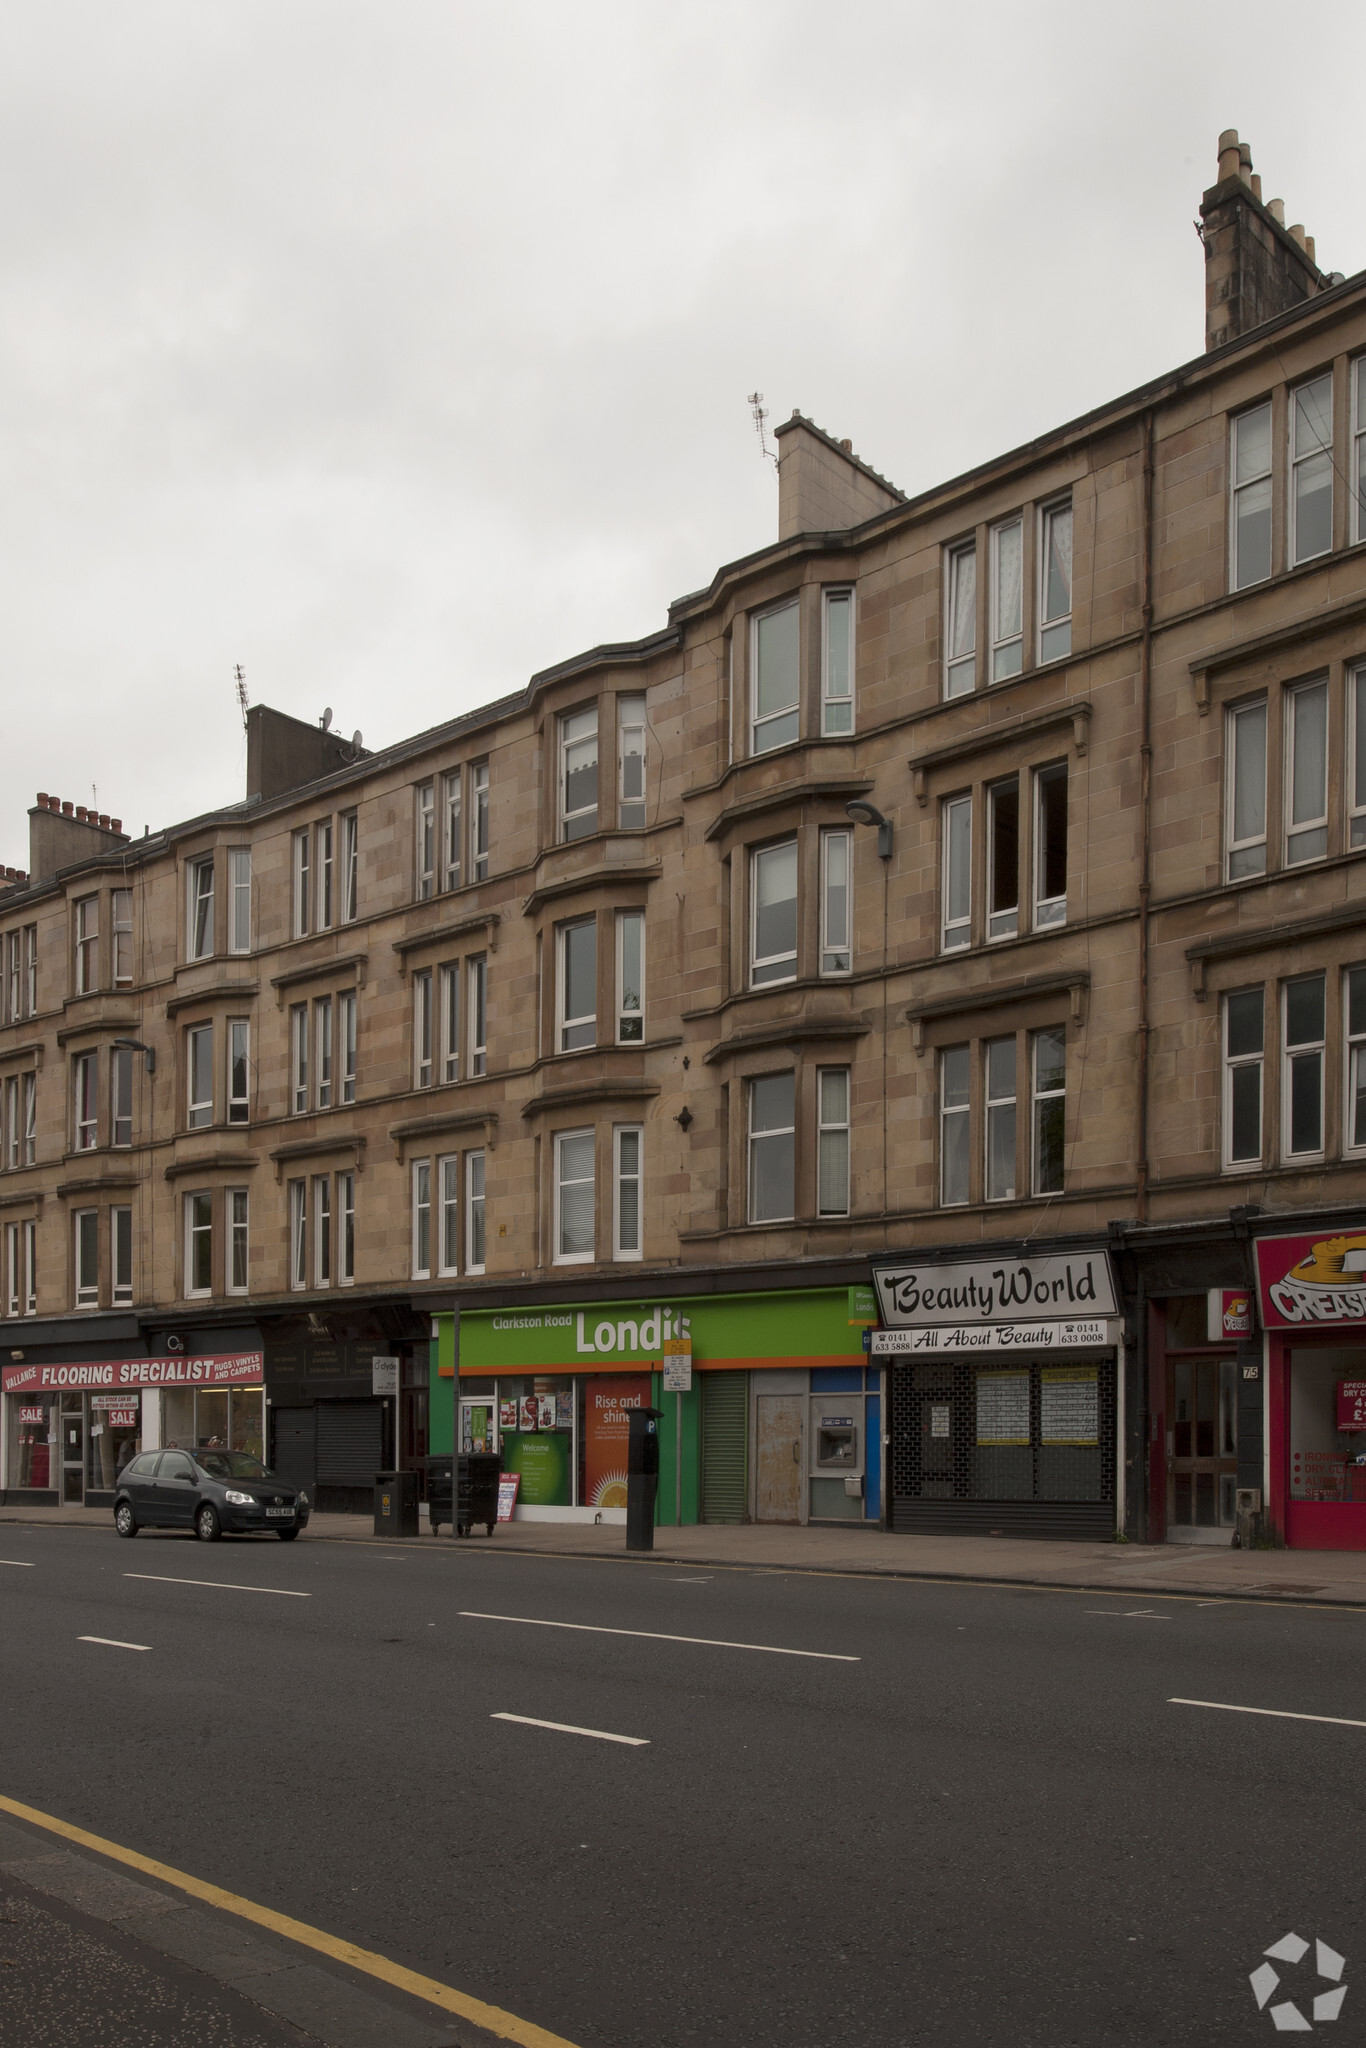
301	1498
239	1500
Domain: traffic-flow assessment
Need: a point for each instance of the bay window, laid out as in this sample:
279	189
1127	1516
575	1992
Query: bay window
837	663
579	773
574	1197
772	1148
775	653
773	913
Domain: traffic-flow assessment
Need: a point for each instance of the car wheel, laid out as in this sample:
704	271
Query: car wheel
286	1535
125	1521
206	1524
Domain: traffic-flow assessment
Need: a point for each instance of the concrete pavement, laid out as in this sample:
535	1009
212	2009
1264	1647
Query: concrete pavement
1203	1570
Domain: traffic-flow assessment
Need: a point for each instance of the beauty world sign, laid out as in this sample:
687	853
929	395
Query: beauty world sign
1052	1286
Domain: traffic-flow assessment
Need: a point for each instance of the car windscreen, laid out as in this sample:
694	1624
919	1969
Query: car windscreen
231	1465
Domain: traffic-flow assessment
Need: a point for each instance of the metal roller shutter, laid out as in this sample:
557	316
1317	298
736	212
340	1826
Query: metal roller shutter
350	1442
725	1432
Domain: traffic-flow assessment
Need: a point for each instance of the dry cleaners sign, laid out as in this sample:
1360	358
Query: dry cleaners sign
1068	1287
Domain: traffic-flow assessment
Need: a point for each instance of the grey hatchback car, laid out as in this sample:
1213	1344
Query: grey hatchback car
213	1492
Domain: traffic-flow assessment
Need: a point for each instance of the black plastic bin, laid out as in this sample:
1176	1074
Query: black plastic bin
396	1504
440	1478
476	1484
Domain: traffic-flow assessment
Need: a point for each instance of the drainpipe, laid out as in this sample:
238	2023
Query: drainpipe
1145	805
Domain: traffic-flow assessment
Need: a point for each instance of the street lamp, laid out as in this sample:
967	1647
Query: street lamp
136	1045
868	814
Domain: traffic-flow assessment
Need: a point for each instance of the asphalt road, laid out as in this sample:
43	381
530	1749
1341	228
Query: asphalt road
972	1817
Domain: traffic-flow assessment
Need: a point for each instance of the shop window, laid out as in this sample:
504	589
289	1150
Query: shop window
238	1243
1245	802
574	1196
954	1123
34	1452
479	821
450	1021
298	1233
346	1229
1050	1103
1244	1056
86	1229
1306	773
85	1073
474	1212
199	884
451	828
960	609
836	907
298	1058
239	1070
956	844
627	1145
832	1141
424	817
1003	859
773	913
121	1094
239	900
350	867
198	1244
1311	470
1250	515
448	1185
775	655
577	985
199	1075
121	1256
477	981
630	977
87	912
1055	581
1007	600
772	1148
579	774
1323	1456
1050	845
1302	1087
631	731
999	1074
347	1034
322	1033
422	1219
326	879
837	663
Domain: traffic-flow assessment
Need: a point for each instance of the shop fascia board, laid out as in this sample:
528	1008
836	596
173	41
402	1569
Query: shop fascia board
80	1326
454	1121
334	966
485	922
789	1031
1003	995
781	796
1264	938
213	992
602	875
319	1148
1076	713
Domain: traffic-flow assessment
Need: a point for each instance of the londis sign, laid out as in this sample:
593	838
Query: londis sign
1308	1282
232	1369
925	1294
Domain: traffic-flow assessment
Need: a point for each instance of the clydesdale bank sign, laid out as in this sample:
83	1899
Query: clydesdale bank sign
1055	1302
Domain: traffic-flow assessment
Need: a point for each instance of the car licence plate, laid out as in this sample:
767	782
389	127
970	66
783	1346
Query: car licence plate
280	1514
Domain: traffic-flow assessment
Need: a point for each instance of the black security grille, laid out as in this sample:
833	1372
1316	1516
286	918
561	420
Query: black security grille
980	1445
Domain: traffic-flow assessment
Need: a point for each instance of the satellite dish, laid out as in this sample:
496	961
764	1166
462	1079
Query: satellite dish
355	739
327	718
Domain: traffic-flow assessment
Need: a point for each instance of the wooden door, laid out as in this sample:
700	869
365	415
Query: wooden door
778	1496
1202	1442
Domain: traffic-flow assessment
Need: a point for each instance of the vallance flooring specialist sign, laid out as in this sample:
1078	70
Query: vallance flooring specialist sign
231	1369
1055	1302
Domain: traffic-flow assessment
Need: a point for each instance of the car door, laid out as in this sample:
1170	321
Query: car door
177	1490
139	1483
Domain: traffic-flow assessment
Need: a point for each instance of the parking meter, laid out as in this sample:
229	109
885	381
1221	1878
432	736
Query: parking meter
642	1477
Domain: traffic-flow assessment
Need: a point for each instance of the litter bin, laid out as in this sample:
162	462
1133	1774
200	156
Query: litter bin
476	1490
440	1473
396	1504
642	1477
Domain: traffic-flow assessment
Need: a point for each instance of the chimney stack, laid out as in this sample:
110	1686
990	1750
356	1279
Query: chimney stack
60	834
1255	267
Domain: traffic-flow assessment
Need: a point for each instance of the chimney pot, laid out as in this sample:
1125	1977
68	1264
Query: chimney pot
82	813
116	824
68	810
1256	184
54	803
847	446
1276	208
1309	249
42	799
104	821
1297	233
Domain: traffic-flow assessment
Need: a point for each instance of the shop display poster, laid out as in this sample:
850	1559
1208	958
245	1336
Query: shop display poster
542	1461
1352	1404
1003	1407
607	1405
508	1484
1069	1405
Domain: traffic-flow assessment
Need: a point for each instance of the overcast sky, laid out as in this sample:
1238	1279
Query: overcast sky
399	350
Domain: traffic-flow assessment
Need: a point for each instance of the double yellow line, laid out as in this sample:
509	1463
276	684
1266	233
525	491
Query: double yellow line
492	2018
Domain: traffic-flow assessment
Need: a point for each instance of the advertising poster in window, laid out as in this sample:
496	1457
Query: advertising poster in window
542	1461
607	1406
1069	1405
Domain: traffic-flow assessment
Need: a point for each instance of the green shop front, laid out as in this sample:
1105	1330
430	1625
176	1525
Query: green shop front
781	1420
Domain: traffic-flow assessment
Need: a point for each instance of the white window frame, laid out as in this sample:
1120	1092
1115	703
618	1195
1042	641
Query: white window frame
346	1229
955	814
1050	912
1003	920
1302	1049
449	1021
121	1243
833	1133
424	853
1309	827
837	949
324	1052
837	641
30	970
350	875
1056	629
767	970
85	1257
298	1059
198	1107
29	1229
1256	482
630	1016
754	1138
121	1096
1037	1098
324	837
576	1033
237	1213
12	983
1007	638
1247	857
1234	1063
479	821
477	998
121	930
624	1174
1320	455
423	1033
86	1101
476	1221
87	911
421	1185
322	1230
561	1140
448	1217
632	754
346	1045
195	1231
955	1113
1357	480
30	1086
239	899
199	933
1355	777
301	882
1353	1060
11	1269
451	828
298	1235
787	711
12	1125
960	612
992	1103
576	730
239	1052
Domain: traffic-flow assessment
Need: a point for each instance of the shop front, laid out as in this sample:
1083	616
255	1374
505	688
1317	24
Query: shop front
780	1419
1006	1393
71	1427
1312	1297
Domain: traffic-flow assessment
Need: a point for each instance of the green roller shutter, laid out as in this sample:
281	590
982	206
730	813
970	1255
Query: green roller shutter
725	1433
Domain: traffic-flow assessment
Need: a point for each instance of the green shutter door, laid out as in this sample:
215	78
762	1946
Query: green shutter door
725	1432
